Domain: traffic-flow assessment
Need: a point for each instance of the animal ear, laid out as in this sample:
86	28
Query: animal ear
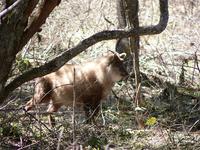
122	56
111	58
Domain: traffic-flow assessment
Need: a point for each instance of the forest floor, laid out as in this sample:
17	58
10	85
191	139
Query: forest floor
168	119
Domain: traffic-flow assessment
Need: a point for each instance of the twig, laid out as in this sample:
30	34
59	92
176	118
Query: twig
91	114
196	122
10	8
115	95
46	113
196	60
193	71
162	133
107	20
26	48
137	95
37	120
73	115
59	139
103	118
27	146
127	92
8	103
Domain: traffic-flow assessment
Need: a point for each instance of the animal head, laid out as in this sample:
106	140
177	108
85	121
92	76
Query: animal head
116	68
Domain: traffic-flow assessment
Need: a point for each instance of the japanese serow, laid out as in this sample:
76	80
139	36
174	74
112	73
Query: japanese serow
89	82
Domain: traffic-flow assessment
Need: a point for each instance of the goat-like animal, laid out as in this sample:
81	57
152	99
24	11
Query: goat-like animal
93	82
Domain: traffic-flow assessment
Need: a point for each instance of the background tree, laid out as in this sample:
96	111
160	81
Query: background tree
127	12
128	18
17	29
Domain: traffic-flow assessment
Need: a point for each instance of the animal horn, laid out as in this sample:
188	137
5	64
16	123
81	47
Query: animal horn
113	51
120	56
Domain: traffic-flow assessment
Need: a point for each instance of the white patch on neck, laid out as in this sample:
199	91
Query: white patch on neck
100	74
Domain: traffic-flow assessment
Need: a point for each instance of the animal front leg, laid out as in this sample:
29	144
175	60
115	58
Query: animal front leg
91	111
95	112
87	109
52	108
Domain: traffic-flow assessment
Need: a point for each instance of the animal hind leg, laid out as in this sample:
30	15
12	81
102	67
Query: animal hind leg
95	111
36	99
42	94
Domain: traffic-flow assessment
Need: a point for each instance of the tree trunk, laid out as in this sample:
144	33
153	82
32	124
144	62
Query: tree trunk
122	44
127	13
128	16
11	29
132	9
15	32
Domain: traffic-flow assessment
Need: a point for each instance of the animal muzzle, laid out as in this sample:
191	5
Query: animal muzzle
124	75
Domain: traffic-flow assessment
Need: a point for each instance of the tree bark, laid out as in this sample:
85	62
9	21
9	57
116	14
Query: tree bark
14	32
123	44
11	29
132	8
127	12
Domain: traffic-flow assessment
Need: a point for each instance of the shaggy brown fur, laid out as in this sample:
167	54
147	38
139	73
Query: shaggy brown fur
93	82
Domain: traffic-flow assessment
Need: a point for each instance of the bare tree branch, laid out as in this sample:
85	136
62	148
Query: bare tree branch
61	59
37	22
9	9
123	12
31	6
164	15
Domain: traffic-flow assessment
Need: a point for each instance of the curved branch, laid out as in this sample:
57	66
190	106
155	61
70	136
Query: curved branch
60	60
164	16
67	55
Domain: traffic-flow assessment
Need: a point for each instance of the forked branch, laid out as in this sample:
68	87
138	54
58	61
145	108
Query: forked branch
45	9
61	59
